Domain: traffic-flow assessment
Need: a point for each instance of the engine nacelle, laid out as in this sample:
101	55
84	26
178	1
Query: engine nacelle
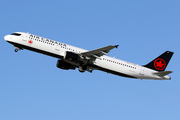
72	56
64	65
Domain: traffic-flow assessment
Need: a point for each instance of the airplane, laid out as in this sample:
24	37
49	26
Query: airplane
71	57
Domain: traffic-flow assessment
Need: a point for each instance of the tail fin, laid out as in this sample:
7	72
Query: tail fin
161	62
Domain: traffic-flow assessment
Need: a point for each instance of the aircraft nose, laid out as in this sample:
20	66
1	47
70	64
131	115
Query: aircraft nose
7	37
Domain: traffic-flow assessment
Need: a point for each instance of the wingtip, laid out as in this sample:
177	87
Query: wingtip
116	46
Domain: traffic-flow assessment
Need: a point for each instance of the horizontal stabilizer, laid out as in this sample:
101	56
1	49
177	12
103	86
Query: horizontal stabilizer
162	73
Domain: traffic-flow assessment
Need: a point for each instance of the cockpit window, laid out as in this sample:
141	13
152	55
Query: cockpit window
17	34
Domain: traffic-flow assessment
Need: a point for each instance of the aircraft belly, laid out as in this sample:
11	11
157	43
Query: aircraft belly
52	54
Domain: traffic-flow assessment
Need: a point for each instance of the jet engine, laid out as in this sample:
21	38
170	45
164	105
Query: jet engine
64	65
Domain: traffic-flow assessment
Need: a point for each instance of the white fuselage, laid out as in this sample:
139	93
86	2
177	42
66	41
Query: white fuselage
55	49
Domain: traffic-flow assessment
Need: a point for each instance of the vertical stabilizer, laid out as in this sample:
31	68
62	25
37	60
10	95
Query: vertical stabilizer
161	62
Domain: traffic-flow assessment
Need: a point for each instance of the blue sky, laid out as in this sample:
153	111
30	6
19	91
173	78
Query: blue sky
31	87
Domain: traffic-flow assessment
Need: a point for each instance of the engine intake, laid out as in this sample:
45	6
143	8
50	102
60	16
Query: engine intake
64	65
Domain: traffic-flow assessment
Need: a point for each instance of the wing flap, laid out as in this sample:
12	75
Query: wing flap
97	53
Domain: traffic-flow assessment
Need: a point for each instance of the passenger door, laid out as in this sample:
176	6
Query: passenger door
24	37
57	47
142	71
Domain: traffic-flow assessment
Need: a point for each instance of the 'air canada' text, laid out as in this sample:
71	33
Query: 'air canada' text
45	40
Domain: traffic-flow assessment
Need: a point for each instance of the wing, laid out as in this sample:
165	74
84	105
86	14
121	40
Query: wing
97	53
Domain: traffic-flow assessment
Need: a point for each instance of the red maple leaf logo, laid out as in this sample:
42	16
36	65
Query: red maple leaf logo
159	64
30	41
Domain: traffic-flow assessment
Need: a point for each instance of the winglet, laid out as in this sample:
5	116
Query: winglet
116	46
